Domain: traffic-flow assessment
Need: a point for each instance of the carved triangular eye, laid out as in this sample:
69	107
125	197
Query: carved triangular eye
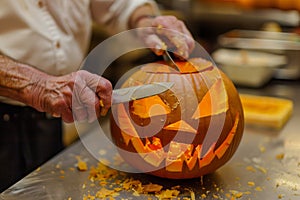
181	126
186	132
214	102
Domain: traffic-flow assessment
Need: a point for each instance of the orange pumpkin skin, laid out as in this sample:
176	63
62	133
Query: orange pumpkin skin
163	135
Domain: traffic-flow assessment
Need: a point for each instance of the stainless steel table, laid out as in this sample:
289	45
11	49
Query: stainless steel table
265	166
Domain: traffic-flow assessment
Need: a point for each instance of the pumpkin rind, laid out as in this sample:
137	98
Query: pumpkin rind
167	142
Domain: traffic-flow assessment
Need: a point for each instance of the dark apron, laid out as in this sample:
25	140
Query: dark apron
28	138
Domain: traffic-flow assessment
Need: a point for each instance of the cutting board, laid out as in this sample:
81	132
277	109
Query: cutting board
266	111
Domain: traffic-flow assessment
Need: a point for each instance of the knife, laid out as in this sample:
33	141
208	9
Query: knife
169	60
138	92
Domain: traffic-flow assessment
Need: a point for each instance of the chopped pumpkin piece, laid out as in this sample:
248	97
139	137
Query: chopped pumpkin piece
81	165
168	194
181	126
150	106
152	188
103	193
214	102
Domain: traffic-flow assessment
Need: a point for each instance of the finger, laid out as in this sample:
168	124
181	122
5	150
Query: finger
152	41
80	114
156	44
67	116
90	101
96	88
188	38
178	41
176	31
83	106
60	108
103	107
104	94
79	103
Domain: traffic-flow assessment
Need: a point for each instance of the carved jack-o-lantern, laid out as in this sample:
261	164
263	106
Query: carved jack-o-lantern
186	132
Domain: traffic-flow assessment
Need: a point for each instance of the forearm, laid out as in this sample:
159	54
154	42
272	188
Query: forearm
141	17
17	79
117	15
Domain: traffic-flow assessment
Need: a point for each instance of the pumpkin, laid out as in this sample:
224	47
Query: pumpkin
186	132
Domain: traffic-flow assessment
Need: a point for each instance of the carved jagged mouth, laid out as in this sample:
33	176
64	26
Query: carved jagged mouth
152	151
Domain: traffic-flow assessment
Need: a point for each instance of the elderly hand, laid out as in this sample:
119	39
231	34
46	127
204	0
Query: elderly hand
168	33
75	96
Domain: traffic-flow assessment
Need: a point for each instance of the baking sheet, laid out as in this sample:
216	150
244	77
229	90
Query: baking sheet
265	166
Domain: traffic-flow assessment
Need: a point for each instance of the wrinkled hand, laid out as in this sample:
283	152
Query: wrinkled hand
75	96
168	33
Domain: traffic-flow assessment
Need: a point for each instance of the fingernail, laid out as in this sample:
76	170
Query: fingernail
161	46
55	115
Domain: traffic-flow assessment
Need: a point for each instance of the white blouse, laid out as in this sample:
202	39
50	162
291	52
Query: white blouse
54	35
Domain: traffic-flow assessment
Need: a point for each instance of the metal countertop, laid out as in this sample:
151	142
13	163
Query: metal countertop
255	169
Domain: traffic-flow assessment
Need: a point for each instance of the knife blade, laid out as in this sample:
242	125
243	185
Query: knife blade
138	92
169	60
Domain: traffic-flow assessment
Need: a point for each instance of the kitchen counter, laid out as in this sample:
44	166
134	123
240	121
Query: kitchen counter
265	166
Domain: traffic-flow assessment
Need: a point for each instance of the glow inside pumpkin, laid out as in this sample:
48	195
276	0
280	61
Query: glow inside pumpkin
163	135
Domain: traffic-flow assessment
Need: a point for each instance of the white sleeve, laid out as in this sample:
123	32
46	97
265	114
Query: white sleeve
115	14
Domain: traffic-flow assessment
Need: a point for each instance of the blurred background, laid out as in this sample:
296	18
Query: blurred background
255	42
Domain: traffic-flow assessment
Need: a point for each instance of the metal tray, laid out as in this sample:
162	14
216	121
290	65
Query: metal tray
251	39
282	43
